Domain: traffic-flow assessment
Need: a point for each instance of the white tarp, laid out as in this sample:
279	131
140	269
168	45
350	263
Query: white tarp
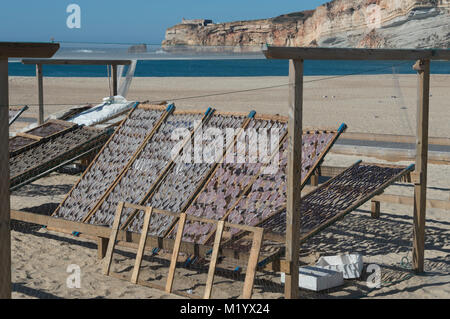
108	109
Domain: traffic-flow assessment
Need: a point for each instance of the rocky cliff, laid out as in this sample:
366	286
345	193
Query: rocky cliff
339	23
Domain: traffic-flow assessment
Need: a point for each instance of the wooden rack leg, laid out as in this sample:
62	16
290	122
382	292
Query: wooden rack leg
213	262
375	209
176	250
141	248
315	179
252	263
112	239
102	245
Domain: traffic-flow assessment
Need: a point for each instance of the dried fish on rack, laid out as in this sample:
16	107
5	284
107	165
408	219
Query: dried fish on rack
109	164
181	182
228	182
145	170
332	200
49	153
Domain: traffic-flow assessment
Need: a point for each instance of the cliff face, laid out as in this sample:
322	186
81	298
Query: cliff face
339	23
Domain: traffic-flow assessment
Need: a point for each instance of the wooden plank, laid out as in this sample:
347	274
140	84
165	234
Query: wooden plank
390	138
375	209
314	179
293	176
27	49
297	53
31	136
420	188
125	238
40	83
191	217
176	251
102	246
250	272
141	248
213	262
112	239
5	236
76	61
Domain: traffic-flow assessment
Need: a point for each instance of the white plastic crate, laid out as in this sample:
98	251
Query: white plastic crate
317	279
350	265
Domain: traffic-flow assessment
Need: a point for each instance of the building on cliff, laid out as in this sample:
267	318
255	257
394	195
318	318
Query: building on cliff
199	22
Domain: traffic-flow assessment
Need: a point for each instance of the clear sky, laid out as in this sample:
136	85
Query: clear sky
127	21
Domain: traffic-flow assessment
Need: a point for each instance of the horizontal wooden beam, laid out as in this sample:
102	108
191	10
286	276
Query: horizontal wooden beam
30	136
125	237
408	139
299	53
27	49
76	61
192	217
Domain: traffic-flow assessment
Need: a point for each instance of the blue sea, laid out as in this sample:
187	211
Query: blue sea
229	68
156	63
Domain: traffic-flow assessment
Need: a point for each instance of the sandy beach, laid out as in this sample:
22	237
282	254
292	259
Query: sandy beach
367	103
372	104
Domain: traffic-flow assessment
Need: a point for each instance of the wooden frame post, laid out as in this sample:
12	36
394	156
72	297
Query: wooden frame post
5	235
176	251
10	50
375	209
214	258
291	289
102	246
114	78
420	187
112	239
141	247
250	272
39	78
314	180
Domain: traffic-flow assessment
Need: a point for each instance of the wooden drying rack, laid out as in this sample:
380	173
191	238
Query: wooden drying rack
183	217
